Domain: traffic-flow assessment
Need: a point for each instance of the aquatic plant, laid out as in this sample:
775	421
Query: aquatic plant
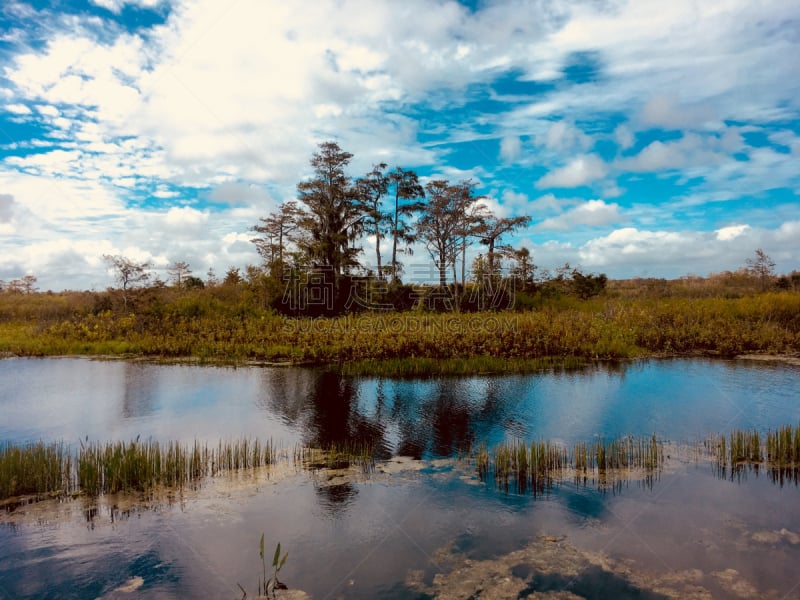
142	466
34	469
267	586
537	466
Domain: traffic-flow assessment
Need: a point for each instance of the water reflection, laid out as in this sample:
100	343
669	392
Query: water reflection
336	498
139	391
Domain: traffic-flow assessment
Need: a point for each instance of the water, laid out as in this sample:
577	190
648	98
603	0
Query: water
404	535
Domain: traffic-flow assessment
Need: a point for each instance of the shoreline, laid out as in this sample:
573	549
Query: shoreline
419	366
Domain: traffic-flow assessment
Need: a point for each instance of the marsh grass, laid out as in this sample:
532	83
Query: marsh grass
557	333
34	469
96	468
742	450
535	467
337	456
142	466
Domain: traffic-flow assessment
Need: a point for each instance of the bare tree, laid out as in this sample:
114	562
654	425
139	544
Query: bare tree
276	230
211	277
762	267
438	226
24	285
179	272
446	223
128	273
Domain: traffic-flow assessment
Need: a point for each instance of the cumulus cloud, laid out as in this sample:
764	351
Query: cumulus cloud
579	171
221	107
653	253
731	232
594	213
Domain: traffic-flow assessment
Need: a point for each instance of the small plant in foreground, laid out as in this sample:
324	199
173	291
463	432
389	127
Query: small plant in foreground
267	586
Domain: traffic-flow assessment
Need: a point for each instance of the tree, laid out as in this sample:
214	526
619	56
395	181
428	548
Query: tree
761	267
332	220
495	228
445	224
179	272
524	269
211	277
407	200
29	284
370	190
438	226
232	276
128	273
276	230
192	283
473	216
586	286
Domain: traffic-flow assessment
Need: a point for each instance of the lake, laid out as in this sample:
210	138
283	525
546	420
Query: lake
417	527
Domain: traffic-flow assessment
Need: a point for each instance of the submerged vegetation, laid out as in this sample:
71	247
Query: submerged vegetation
143	466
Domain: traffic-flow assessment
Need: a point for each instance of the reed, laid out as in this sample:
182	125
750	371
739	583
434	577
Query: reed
780	448
783	446
337	455
34	469
537	466
136	466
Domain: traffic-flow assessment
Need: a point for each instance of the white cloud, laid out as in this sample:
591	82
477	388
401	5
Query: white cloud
116	6
731	232
624	137
510	148
546	203
6	207
691	150
633	252
233	99
579	171
565	137
18	109
185	216
594	213
666	112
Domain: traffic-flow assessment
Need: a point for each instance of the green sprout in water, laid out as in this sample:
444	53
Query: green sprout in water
267	586
277	562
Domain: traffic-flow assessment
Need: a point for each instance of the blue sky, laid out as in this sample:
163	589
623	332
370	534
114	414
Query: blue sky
644	138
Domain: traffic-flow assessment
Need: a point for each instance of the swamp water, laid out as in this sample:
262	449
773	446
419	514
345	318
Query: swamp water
418	527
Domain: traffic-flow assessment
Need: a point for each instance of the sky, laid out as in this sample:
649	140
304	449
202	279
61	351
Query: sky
643	138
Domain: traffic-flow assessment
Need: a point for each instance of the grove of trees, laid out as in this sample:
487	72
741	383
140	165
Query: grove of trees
314	243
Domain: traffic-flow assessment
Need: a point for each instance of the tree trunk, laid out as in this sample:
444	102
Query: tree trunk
378	249
394	238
